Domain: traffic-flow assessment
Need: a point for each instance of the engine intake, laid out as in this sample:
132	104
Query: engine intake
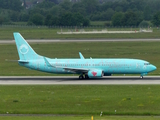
95	73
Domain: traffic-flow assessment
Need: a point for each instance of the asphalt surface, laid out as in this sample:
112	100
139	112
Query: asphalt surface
73	80
78	40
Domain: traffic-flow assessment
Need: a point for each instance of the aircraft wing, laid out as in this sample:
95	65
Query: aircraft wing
70	69
76	70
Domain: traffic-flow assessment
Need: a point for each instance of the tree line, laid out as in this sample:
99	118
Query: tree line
66	13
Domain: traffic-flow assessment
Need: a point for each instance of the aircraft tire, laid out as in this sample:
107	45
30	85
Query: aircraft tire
86	77
141	77
81	77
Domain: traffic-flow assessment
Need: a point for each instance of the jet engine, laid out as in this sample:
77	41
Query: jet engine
95	73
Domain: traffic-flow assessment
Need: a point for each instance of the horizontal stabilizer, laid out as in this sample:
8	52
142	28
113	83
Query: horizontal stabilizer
23	61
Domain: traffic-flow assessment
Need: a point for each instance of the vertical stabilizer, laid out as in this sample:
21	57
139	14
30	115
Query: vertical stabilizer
24	49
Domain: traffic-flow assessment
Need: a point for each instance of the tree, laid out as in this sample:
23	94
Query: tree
71	19
130	19
14	16
1	20
24	17
45	4
108	15
79	8
119	9
11	4
117	19
55	1
147	13
67	19
156	19
144	24
37	19
48	20
57	11
54	21
78	19
103	16
90	5
51	20
67	5
86	22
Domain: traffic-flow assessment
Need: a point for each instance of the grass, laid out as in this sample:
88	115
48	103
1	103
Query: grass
80	99
6	33
149	51
79	118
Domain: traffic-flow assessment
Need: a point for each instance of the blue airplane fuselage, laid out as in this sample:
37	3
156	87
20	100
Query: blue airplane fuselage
109	66
91	68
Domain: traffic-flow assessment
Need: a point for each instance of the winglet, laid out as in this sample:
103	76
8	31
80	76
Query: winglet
81	56
47	63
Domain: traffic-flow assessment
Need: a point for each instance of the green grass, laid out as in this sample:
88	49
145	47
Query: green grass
79	118
149	51
6	33
80	99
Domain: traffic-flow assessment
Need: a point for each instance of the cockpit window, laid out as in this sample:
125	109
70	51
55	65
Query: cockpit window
146	63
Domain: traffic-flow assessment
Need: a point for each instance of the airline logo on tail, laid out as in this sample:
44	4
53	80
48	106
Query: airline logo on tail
23	49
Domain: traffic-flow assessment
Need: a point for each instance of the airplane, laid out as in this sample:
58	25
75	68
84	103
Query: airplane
86	68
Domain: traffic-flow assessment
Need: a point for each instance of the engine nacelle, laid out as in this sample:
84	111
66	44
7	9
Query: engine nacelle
95	73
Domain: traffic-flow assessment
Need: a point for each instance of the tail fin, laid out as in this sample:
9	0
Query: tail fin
24	49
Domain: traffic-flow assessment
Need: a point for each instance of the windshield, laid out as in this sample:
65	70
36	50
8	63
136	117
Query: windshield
146	63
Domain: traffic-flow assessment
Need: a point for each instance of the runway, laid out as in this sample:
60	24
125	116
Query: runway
77	40
73	80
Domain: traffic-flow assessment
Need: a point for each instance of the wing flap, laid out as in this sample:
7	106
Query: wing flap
76	70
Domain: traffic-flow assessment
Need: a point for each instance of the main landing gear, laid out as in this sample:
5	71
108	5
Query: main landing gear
141	77
83	77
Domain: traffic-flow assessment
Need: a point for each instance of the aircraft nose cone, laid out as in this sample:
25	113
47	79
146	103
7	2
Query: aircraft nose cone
153	67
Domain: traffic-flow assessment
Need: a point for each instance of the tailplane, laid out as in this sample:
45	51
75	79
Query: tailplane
25	51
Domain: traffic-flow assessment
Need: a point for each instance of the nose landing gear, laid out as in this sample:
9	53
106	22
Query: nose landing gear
141	77
143	74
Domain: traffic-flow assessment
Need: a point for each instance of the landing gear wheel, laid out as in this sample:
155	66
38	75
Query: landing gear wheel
86	77
141	77
81	77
